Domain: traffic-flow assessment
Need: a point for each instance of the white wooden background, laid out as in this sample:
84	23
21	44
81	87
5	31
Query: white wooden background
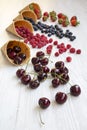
19	105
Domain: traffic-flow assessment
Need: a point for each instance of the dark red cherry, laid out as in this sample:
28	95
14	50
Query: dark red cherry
25	79
46	69
17	60
59	64
44	61
42	76
34	84
64	79
40	54
55	72
75	90
60	97
35	60
17	49
55	82
9	50
44	102
20	73
22	55
38	67
12	54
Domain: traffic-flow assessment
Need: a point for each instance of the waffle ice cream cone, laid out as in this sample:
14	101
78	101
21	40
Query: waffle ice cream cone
24	49
27	14
19	23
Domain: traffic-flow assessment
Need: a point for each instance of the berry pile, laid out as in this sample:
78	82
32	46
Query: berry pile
16	55
51	30
36	41
62	48
59	76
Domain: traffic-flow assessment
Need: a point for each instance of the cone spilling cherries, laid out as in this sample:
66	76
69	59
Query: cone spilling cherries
17	53
59	75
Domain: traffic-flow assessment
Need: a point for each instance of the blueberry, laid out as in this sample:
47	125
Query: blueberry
49	34
35	28
72	38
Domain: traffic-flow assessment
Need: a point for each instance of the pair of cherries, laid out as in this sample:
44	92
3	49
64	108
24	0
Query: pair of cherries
60	97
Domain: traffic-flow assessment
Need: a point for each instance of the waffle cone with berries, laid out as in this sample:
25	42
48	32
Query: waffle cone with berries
19	23
10	45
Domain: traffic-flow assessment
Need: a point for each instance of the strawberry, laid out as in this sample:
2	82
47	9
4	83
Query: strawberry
60	15
46	14
53	18
64	17
60	21
38	13
52	13
31	7
73	18
74	22
65	23
44	18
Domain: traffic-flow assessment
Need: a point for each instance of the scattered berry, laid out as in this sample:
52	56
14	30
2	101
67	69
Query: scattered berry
44	102
78	51
68	59
72	50
75	90
60	97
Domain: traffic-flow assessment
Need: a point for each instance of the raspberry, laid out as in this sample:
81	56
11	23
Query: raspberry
68	46
78	51
68	59
50	40
49	49
72	50
55	43
56	54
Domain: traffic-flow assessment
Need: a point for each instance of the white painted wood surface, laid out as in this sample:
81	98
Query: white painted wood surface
19	105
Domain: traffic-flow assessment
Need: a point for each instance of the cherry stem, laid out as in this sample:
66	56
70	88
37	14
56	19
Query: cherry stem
41	118
59	76
27	65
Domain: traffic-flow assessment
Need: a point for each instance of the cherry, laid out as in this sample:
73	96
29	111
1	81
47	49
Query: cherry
9	50
20	73
12	54
46	69
64	78
75	90
55	72
17	60
35	60
38	67
59	64
34	83
44	102
42	76
22	55
40	54
17	49
44	61
60	97
25	79
55	82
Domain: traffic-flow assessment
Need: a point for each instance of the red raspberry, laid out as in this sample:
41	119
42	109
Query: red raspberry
50	40
68	46
72	50
55	43
68	59
56	54
78	51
